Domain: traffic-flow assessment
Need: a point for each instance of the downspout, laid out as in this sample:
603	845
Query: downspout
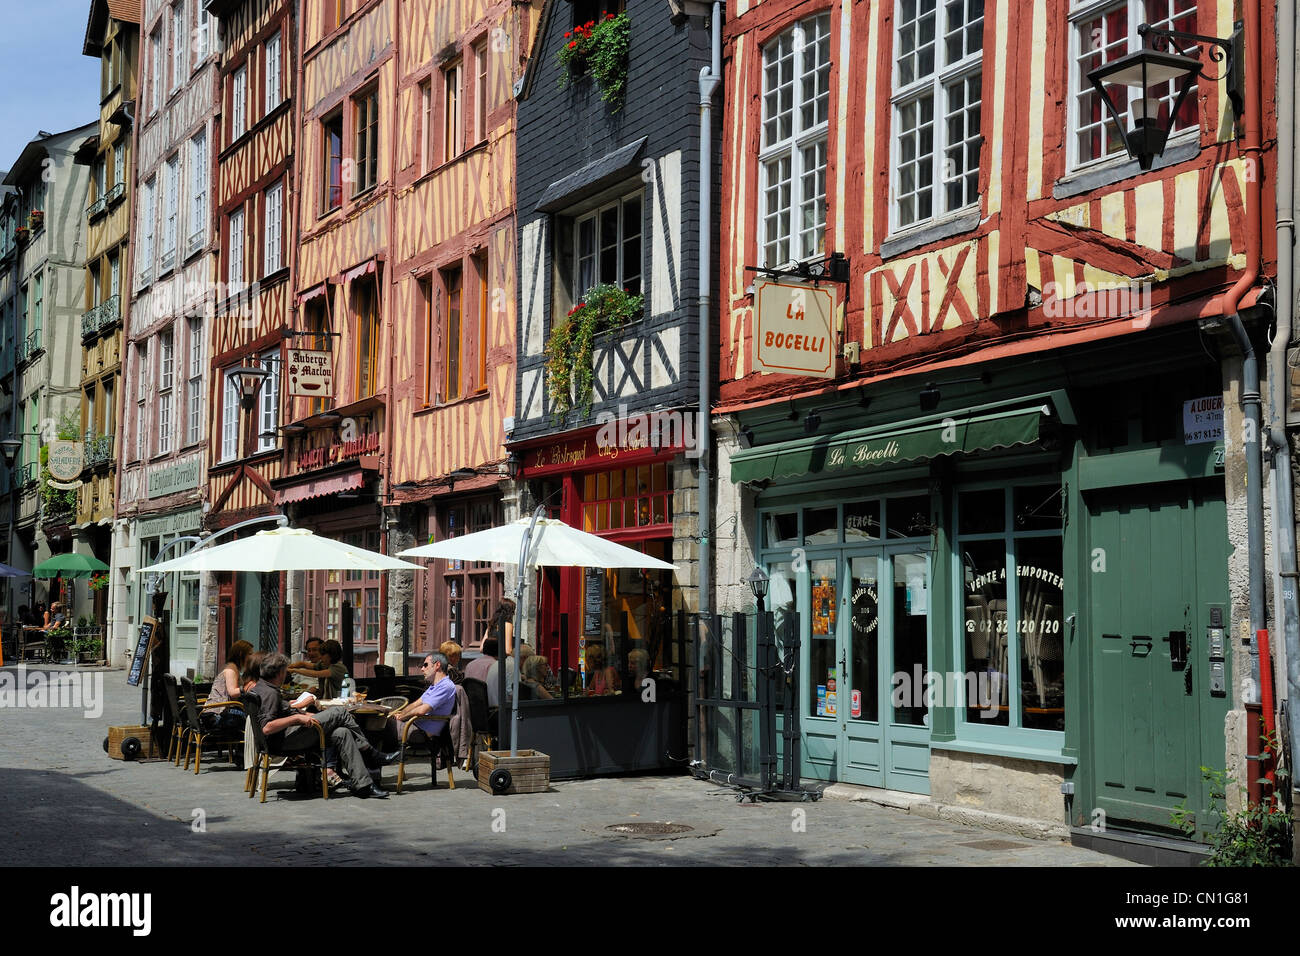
1284	537
710	80
1250	397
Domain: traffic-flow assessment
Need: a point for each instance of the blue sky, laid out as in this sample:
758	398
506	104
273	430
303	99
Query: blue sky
45	82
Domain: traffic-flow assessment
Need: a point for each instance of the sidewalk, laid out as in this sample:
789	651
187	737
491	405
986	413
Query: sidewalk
66	803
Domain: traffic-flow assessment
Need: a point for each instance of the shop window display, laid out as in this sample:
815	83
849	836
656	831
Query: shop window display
1010	552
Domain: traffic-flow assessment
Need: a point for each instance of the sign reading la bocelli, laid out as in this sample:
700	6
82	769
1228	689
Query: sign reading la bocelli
311	374
795	328
65	460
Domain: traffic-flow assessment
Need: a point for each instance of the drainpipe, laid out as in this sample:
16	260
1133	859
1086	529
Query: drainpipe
710	80
1284	537
1250	398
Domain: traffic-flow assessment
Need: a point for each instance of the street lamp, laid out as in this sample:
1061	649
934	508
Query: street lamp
9	447
249	379
758	582
1127	86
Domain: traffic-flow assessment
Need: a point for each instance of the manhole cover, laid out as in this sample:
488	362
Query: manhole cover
648	829
995	845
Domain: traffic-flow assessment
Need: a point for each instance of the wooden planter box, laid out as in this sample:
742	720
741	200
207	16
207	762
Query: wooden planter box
117	734
530	770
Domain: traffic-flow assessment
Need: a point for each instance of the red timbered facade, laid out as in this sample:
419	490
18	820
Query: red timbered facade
1023	340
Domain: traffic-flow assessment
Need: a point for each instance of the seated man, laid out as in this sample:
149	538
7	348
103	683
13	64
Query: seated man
288	731
312	651
436	699
477	668
329	672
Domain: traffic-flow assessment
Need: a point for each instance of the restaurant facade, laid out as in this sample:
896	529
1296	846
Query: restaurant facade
609	246
999	506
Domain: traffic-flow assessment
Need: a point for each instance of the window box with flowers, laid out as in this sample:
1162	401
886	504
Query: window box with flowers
36	220
598	48
569	349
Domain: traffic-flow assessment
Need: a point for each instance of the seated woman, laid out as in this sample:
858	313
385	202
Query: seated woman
228	686
451	651
537	677
252	670
329	674
601	680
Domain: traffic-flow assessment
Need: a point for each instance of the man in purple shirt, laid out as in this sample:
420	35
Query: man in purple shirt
438	698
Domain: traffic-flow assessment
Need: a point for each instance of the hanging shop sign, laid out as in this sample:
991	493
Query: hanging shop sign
65	460
794	331
599	449
311	373
1203	420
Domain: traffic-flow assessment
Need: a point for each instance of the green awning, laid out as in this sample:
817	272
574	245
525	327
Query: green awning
885	445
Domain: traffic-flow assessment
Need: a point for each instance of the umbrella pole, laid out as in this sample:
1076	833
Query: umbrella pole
519	620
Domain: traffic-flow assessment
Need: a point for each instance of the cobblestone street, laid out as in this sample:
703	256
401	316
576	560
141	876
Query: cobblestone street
65	803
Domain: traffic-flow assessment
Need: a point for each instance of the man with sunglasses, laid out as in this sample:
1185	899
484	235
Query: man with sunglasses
438	698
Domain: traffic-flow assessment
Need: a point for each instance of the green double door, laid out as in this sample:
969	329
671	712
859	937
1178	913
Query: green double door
1158	644
867	632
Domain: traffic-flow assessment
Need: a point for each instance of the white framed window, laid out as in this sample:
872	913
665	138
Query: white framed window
172	176
235	251
198	190
268	403
166	379
273	256
114	274
607	247
792	161
147	216
1105	31
101	174
480	90
194	385
938	56
273	87
156	71
141	392
180	46
238	103
201	33
119	161
229	418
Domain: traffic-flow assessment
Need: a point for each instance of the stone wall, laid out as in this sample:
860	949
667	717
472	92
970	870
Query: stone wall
1000	785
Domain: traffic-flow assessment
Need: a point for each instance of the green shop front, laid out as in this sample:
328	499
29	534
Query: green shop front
1008	601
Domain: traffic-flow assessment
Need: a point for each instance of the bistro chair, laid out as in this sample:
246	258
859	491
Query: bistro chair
413	737
266	761
180	727
479	718
217	740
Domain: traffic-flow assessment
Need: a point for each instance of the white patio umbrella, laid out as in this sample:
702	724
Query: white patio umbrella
535	542
282	549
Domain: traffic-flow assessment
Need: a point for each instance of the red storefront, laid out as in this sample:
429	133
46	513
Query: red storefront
626	496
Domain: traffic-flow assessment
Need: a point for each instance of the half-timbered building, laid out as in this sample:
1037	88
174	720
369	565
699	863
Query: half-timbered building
46	220
112	37
609	172
338	435
977	413
163	434
255	201
451	288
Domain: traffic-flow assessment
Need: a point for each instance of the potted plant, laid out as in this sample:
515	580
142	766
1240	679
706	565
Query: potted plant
599	49
21	234
569	349
61	644
98	582
36	219
88	648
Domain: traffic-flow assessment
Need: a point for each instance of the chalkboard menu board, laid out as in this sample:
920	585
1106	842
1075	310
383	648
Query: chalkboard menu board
593	603
147	628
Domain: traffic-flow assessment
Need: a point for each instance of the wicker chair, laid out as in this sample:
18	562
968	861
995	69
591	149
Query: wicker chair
266	761
413	737
217	740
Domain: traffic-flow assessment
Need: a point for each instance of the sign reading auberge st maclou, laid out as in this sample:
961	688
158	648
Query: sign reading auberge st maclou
795	329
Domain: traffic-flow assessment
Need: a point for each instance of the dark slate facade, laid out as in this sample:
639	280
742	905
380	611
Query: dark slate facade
576	158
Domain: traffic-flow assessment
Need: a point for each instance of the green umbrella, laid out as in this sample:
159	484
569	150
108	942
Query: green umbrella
69	566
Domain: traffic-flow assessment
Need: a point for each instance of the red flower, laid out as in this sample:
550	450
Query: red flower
589	24
568	34
572	44
609	16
